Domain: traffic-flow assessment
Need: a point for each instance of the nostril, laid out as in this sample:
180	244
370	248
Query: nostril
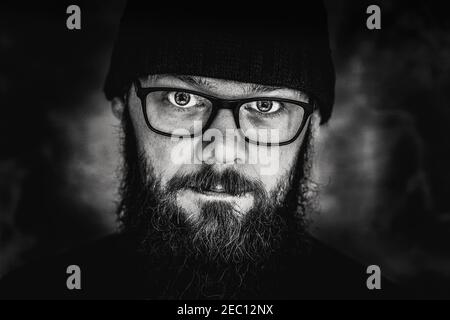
222	141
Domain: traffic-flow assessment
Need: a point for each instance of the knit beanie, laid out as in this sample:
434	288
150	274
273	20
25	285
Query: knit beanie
275	45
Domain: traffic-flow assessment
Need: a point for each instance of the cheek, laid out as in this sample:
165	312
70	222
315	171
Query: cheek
158	150
279	169
279	164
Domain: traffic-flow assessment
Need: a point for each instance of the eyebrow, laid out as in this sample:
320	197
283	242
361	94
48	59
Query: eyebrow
198	82
204	83
249	88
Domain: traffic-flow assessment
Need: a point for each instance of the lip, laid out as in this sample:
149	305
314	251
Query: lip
216	192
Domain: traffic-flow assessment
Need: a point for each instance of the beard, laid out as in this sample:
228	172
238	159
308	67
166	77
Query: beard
222	251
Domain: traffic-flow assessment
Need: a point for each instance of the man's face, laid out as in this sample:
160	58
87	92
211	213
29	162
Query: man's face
215	187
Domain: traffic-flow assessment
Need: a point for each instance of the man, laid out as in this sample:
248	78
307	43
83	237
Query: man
217	111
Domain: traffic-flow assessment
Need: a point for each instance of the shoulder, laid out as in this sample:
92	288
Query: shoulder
96	267
329	274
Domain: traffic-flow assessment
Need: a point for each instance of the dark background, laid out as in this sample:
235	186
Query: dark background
381	163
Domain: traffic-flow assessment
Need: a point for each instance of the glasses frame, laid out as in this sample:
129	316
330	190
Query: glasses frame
217	104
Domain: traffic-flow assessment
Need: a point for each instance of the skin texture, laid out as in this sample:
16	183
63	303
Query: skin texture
158	150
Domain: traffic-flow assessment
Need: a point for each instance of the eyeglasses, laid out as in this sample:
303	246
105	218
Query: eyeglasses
176	112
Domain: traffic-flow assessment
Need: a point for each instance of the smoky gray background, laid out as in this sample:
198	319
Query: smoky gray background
381	163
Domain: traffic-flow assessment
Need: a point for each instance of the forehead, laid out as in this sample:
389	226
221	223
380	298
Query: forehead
222	88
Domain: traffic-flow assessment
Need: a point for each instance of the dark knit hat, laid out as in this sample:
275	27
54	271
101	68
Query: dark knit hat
275	45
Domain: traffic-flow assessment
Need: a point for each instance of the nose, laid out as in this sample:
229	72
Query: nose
222	142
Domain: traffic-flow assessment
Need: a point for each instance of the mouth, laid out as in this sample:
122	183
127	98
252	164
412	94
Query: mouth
218	191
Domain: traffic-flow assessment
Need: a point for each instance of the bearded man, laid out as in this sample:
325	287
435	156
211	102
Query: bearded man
217	111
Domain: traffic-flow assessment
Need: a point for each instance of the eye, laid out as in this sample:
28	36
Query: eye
265	106
183	99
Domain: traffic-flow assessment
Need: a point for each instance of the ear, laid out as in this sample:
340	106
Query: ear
118	107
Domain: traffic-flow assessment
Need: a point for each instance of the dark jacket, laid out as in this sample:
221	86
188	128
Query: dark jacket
111	270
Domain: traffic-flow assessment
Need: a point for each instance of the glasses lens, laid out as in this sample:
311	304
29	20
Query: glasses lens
270	121
177	112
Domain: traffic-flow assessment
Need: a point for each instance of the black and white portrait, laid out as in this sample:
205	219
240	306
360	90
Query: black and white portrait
163	151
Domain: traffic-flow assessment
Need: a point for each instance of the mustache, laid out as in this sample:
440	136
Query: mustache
208	178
